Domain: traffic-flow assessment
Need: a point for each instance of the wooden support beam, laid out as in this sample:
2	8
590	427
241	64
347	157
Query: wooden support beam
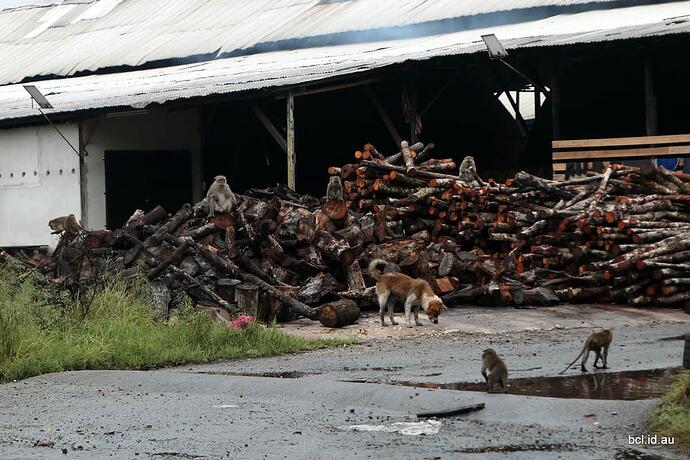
578	155
555	96
650	98
206	122
390	126
622	141
291	156
308	91
83	189
412	94
518	116
270	127
436	97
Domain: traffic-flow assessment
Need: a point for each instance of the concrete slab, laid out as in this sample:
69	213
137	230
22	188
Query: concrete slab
200	412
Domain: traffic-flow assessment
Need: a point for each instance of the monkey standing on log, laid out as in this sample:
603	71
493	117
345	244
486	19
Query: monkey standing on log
220	197
468	172
595	342
498	371
66	224
334	191
334	212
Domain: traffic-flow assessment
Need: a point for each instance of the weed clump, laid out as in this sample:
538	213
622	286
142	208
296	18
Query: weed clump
43	330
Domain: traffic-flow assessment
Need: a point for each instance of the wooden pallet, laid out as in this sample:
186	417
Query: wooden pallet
617	149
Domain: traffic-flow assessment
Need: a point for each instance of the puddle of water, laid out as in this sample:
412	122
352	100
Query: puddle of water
176	455
628	385
374	369
272	375
634	454
538	447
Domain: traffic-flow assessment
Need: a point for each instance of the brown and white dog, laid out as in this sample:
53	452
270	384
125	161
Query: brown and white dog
416	293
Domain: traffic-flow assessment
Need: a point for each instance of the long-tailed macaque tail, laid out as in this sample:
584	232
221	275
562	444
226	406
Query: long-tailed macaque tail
376	268
574	360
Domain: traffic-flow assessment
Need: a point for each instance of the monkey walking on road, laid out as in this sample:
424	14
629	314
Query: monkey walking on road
220	197
498	371
595	342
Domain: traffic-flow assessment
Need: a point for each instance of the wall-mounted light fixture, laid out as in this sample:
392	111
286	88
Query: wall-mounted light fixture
43	103
494	46
498	52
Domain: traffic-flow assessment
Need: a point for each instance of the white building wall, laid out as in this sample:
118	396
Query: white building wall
39	180
157	130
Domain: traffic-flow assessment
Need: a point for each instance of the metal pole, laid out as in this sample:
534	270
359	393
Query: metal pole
291	157
59	132
528	79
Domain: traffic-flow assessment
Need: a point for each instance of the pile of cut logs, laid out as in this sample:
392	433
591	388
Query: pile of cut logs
266	258
618	236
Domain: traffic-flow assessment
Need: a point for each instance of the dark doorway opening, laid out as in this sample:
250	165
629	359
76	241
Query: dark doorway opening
143	180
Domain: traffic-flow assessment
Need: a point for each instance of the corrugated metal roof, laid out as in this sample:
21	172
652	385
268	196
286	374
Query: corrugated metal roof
283	68
87	35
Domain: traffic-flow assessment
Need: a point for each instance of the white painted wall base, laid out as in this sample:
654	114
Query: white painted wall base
39	172
39	180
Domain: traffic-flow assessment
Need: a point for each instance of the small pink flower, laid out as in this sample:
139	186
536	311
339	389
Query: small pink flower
240	322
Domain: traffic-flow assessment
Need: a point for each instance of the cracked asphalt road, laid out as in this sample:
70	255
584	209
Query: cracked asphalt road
207	411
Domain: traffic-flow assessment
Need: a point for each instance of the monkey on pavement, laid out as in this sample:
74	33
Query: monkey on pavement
595	342
334	191
498	372
220	197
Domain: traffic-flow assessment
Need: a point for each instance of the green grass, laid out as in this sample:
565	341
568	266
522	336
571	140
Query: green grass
672	417
42	331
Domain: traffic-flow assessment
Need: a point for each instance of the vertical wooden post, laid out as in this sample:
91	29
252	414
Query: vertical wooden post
247	298
83	190
291	157
555	105
388	123
651	127
412	93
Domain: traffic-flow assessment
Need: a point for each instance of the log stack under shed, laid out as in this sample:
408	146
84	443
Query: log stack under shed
617	236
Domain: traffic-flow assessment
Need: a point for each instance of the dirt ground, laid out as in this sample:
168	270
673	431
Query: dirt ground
499	320
311	406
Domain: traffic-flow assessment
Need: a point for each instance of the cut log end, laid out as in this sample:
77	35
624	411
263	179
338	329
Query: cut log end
339	313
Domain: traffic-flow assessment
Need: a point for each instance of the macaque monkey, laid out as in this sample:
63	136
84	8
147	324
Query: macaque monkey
334	191
595	343
220	197
498	372
67	224
468	171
